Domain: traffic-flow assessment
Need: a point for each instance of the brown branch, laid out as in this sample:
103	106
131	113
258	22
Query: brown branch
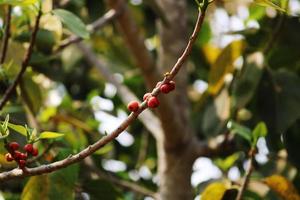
119	182
6	35
103	141
98	24
25	62
247	174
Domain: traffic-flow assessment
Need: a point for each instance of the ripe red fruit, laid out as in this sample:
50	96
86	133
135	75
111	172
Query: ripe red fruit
133	106
23	156
146	96
8	157
22	163
171	85
17	155
14	146
165	88
28	148
35	152
153	102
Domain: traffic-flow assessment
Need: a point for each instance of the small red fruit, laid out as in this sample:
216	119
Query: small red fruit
153	102
14	146
165	88
23	156
28	148
133	106
8	157
171	85
22	163
146	96
35	152
17	155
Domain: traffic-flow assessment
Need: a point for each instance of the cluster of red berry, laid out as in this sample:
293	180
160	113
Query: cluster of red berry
18	156
152	101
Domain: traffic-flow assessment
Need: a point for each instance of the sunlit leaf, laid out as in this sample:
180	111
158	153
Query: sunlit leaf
18	128
50	135
269	3
19	2
224	65
214	191
36	188
260	130
72	22
283	187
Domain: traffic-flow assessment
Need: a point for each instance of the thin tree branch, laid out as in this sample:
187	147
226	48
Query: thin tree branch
106	139
25	62
98	24
6	35
247	175
119	182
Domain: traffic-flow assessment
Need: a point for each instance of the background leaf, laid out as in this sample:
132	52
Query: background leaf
72	22
50	135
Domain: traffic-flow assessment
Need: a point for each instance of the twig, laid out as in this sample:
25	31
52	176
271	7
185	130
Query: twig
119	182
25	62
247	174
106	18
103	141
6	35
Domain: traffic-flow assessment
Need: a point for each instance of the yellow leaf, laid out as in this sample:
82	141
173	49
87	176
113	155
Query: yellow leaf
269	3
214	191
211	53
283	187
36	188
224	65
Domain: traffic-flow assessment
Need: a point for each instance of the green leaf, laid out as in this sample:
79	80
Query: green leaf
240	130
246	84
269	3
260	130
72	22
19	2
18	128
50	135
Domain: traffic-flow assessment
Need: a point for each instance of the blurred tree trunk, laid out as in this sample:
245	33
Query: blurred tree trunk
176	146
175	151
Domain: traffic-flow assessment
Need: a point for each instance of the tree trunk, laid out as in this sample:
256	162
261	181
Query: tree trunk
175	151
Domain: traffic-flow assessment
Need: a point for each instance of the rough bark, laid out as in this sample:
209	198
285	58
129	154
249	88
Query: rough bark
175	151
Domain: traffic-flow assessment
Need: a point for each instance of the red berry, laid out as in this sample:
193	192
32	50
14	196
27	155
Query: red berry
146	96
14	146
35	152
22	163
28	148
133	106
8	157
153	102
23	156
17	155
171	85
165	88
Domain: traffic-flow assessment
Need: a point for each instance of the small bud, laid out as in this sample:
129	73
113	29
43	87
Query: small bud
133	106
14	146
153	102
